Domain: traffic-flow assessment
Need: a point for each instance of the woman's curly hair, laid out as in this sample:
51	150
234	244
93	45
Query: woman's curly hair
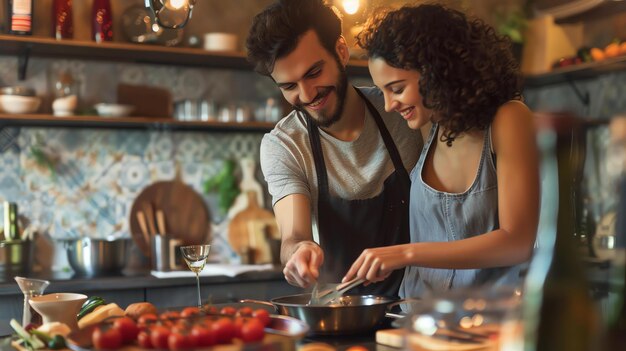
467	70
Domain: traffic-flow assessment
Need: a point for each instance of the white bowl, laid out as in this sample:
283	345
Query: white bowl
114	110
19	104
59	307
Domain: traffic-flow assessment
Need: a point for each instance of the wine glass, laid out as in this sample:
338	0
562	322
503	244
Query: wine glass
195	256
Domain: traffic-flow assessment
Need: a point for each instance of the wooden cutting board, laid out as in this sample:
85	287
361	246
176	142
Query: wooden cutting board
185	213
249	229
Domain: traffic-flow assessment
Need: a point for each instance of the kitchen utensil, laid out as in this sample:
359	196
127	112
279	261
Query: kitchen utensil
248	229
31	288
141	219
183	208
96	257
324	294
350	314
148	211
160	218
138	27
59	307
160	255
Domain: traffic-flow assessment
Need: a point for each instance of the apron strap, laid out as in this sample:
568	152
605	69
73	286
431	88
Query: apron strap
389	143
318	156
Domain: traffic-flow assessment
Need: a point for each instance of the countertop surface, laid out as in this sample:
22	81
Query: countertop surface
68	281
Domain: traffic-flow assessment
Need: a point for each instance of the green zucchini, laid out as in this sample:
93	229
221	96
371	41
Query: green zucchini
89	305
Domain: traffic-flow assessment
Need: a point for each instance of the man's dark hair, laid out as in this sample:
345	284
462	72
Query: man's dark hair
275	32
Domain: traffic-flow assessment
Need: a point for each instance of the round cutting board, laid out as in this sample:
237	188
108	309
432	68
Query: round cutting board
186	215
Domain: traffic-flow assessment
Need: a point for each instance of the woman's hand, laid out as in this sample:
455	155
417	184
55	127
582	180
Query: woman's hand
376	264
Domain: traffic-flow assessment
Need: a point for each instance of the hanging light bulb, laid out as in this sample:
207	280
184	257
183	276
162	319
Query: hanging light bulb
350	6
175	4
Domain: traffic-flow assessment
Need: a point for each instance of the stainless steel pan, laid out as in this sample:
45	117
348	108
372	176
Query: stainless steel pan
352	314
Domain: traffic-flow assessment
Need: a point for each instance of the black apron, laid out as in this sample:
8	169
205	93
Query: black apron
347	227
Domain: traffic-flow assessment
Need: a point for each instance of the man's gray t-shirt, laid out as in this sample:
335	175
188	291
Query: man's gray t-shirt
356	169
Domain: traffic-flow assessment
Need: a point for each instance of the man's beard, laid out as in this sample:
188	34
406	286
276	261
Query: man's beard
342	88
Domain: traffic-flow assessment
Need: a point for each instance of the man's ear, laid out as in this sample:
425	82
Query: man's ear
342	50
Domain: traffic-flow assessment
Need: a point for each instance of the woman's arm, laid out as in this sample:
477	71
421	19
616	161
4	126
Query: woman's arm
514	142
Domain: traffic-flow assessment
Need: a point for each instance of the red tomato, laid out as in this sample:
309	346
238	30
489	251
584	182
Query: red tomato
158	336
229	310
170	315
245	312
127	328
189	311
143	338
224	330
106	338
263	316
252	331
211	310
237	325
178	341
203	336
146	319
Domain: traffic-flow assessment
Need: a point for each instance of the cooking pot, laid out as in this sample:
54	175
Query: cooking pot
350	314
95	257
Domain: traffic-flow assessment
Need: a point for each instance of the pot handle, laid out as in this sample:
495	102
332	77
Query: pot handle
396	303
259	302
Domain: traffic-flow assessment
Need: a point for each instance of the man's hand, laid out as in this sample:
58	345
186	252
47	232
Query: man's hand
302	269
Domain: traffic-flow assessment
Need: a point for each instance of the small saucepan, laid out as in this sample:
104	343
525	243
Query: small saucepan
350	314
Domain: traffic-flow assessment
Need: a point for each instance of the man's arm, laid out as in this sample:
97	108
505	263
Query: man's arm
299	253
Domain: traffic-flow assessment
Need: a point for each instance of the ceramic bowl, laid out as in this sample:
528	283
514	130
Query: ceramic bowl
59	307
19	104
114	110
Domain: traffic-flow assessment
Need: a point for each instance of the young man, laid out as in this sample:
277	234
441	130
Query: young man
336	166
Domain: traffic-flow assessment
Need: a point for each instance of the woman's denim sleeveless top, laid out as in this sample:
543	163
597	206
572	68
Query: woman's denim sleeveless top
436	216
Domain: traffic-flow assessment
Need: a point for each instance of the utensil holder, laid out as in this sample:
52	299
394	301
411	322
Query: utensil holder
160	252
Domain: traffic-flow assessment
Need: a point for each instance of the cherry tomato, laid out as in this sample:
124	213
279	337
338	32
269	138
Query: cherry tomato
224	330
237	325
143	338
147	319
127	328
229	310
106	337
245	312
263	316
169	315
252	331
211	310
204	336
179	341
158	336
189	311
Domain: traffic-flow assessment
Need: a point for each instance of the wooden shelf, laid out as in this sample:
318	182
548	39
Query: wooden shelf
157	124
25	46
576	72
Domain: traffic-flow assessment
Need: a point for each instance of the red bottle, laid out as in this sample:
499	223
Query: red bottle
63	25
102	21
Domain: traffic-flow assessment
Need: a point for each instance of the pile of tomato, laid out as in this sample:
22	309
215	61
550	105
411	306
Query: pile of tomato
183	330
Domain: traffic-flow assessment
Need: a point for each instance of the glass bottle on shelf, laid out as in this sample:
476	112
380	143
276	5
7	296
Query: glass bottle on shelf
62	22
102	21
20	15
558	312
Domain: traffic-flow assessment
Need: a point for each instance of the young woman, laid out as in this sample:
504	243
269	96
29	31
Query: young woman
474	204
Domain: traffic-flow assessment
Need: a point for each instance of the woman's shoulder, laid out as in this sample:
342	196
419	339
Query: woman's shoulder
512	123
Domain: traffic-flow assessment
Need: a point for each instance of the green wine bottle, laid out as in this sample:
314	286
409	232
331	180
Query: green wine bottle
557	311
